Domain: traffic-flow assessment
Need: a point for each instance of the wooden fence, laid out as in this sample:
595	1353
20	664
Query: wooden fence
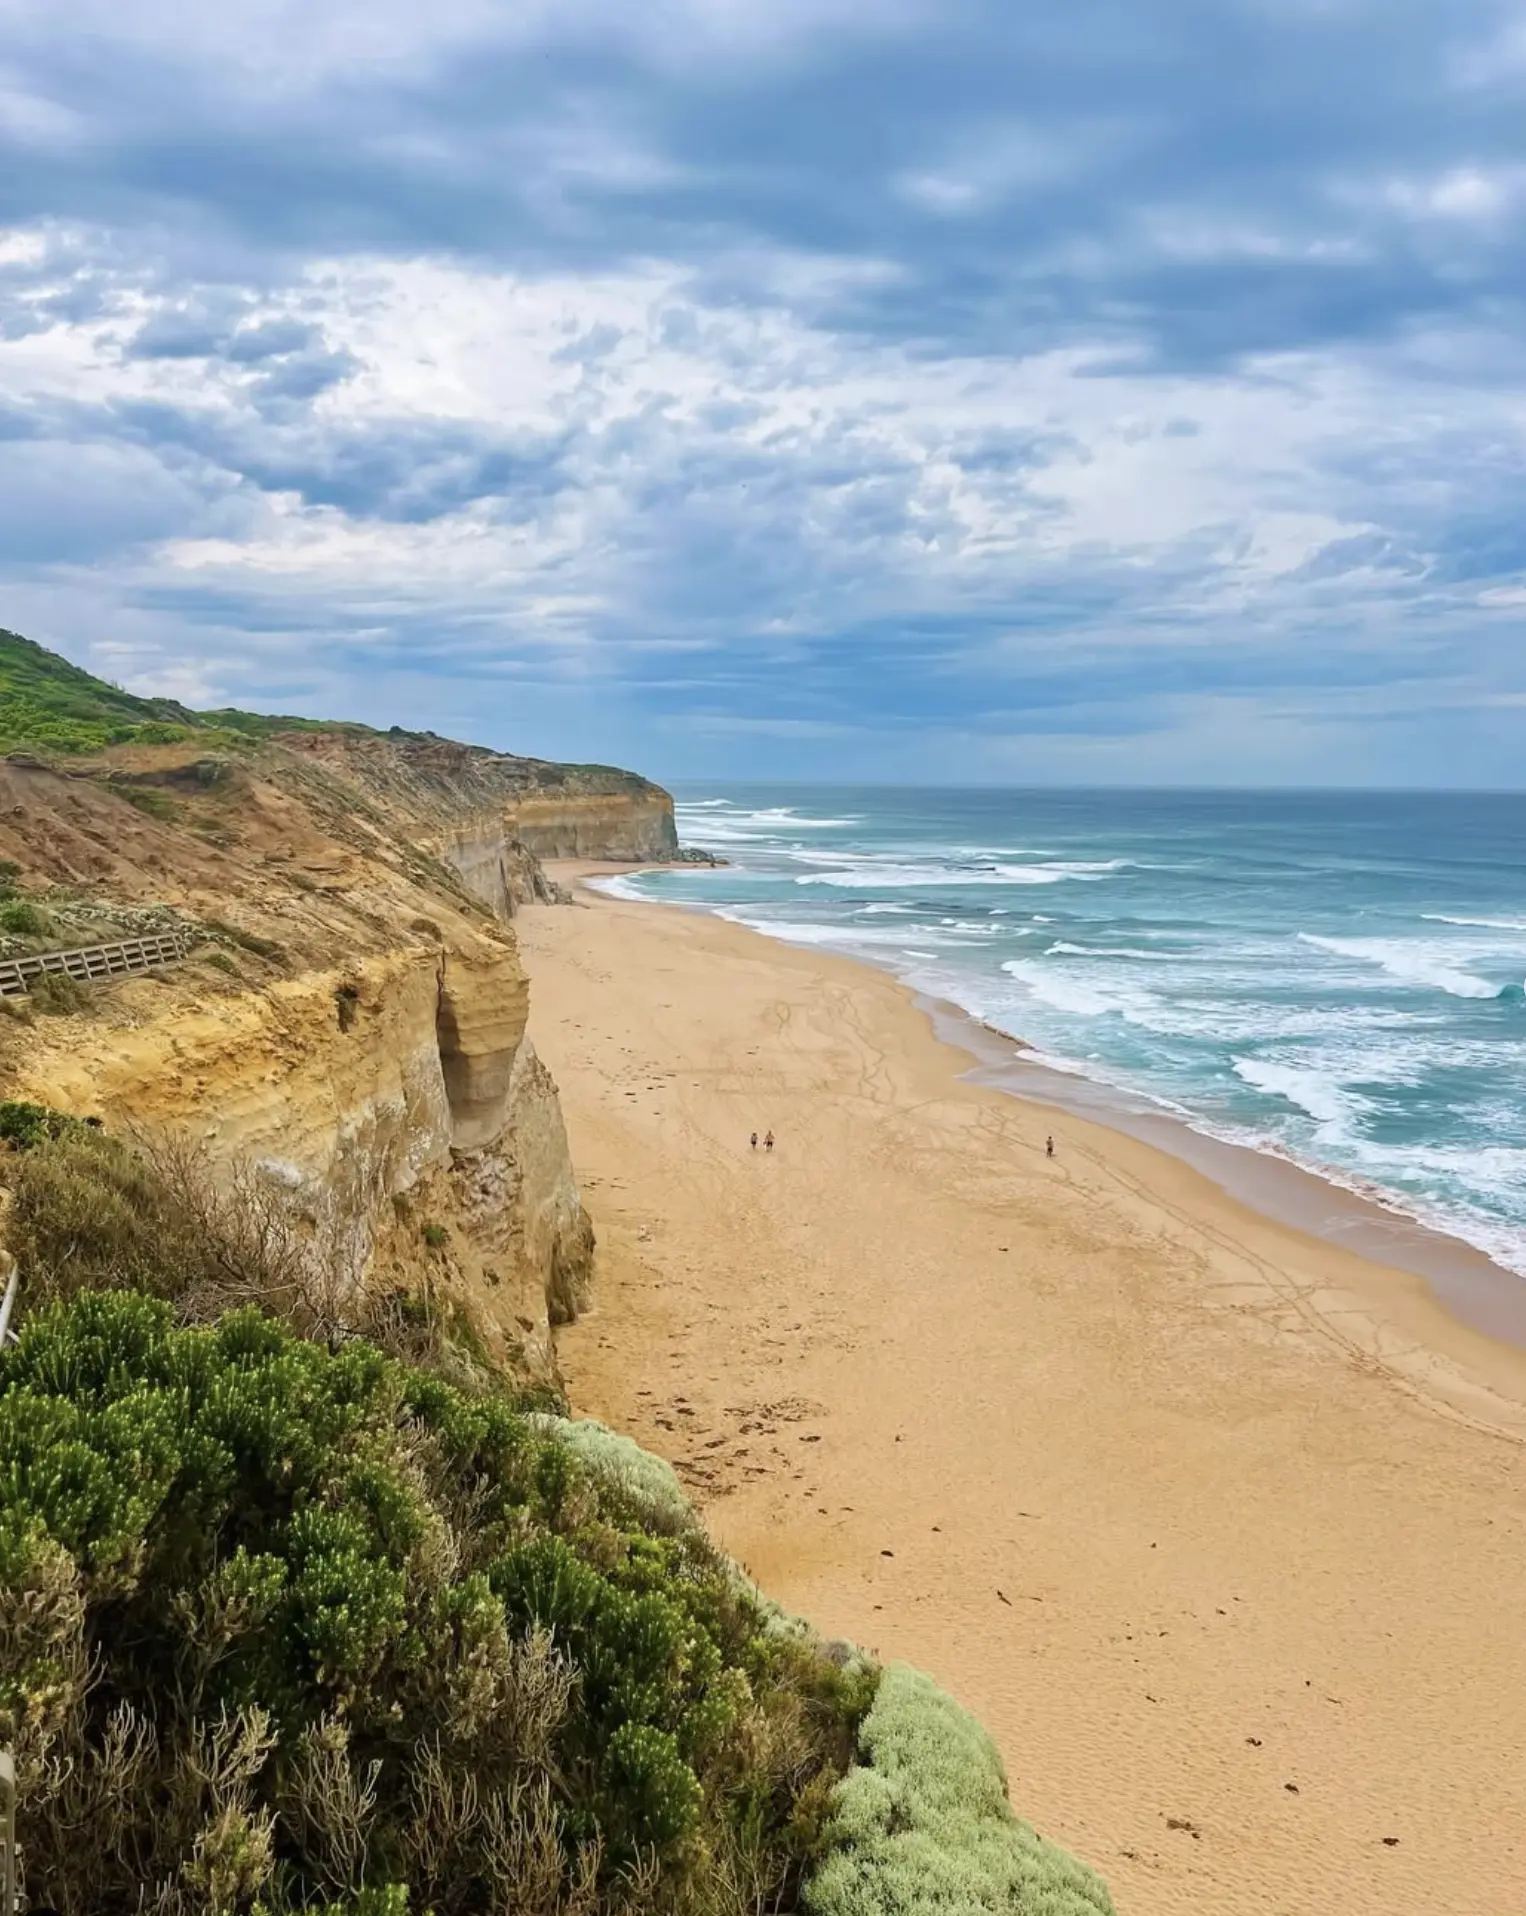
91	964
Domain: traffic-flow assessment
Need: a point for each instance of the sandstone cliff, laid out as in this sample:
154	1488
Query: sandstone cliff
477	800
353	1022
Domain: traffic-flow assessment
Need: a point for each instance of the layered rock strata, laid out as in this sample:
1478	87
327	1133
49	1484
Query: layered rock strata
354	1026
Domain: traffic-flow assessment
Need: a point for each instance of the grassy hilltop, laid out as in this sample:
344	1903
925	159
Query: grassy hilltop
47	704
51	707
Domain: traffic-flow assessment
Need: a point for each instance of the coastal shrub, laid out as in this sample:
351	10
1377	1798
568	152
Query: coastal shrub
23	1125
56	993
643	1485
286	1628
91	1212
921	1826
19	918
143	798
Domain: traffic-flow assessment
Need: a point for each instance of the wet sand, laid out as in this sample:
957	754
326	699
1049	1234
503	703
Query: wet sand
1189	1505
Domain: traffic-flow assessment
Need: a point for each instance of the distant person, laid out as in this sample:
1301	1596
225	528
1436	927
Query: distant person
768	1142
754	1140
1049	1147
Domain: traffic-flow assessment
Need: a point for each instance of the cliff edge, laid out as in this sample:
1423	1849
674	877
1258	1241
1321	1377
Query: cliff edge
350	1017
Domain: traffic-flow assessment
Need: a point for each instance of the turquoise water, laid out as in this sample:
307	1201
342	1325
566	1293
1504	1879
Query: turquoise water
1337	978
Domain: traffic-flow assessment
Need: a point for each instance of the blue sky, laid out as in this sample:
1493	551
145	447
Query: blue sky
902	389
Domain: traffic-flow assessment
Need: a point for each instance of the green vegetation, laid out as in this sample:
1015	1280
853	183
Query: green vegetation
288	1619
922	1826
246	940
48	705
21	919
143	798
56	993
289	1624
23	1126
304	1613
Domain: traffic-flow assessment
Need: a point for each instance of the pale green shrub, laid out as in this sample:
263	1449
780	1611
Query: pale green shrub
783	1626
644	1483
921	1825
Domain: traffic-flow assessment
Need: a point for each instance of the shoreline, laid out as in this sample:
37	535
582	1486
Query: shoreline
1480	1294
1188	1506
1472	1288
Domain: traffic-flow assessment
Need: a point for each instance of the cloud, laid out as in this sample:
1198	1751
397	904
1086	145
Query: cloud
932	388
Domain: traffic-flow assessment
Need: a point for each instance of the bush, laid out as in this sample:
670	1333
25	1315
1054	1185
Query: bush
56	993
285	1628
90	1213
644	1486
24	1126
143	798
23	920
922	1826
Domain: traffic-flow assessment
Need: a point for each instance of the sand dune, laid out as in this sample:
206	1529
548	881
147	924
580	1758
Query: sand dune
1220	1528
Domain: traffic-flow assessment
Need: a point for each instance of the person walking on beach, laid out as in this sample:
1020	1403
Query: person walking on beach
768	1142
754	1140
1049	1147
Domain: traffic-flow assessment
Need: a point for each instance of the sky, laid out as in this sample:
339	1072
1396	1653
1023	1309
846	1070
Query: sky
1122	392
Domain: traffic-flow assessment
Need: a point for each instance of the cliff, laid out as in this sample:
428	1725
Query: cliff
352	1018
472	803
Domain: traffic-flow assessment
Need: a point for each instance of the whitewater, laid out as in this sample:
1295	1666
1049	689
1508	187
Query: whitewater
1332	978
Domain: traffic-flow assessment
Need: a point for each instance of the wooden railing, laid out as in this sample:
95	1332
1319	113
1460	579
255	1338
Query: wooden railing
91	964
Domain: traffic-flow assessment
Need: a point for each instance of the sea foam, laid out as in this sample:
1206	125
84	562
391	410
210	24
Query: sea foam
1410	961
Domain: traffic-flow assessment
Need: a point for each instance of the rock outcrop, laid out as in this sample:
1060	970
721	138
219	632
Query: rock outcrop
477	799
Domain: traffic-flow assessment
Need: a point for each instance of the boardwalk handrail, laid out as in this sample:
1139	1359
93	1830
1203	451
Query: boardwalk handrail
91	964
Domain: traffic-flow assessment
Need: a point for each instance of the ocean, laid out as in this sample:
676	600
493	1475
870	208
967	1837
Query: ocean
1334	978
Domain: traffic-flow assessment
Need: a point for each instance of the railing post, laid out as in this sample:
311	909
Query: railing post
12	1272
8	1871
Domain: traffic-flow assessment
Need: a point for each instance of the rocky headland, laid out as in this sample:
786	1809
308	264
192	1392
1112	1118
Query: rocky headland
351	1018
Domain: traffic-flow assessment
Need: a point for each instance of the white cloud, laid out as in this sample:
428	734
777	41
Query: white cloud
1465	193
648	418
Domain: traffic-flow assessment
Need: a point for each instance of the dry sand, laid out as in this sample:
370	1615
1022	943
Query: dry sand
1218	1527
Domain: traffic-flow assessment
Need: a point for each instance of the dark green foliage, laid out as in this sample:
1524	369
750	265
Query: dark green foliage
292	1628
23	1126
22	919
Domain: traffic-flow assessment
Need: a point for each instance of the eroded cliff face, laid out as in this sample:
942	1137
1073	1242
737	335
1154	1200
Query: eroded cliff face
475	804
354	1027
614	825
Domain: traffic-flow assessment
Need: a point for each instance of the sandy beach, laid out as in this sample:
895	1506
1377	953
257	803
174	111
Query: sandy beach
1218	1526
